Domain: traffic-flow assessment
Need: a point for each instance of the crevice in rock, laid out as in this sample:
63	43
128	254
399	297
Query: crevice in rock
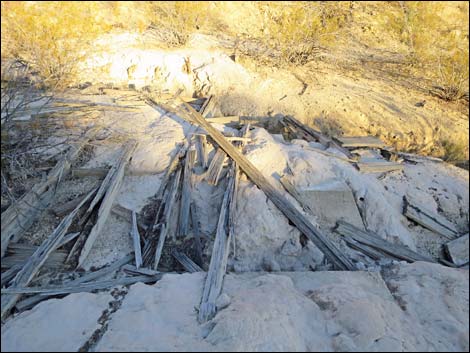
113	306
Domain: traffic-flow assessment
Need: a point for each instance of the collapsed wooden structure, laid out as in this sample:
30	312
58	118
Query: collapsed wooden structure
176	215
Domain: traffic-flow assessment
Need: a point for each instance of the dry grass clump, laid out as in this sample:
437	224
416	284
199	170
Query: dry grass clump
49	36
436	35
298	29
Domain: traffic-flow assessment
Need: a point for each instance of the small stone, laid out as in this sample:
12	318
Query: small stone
291	247
223	301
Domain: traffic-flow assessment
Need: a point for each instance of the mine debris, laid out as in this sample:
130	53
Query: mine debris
428	219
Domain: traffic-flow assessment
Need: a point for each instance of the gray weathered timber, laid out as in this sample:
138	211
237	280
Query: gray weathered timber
37	260
103	189
183	219
166	218
219	257
301	222
197	235
84	287
215	167
65	208
87	172
366	250
18	254
379	166
126	214
233	204
186	262
294	193
208	108
21	215
324	140
224	120
458	250
8	275
107	203
87	277
429	219
136	241
201	147
361	141
132	270
373	240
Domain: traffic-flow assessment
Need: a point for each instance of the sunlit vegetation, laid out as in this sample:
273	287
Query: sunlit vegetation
50	37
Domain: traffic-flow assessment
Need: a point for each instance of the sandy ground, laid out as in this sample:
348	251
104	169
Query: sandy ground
337	94
279	295
412	307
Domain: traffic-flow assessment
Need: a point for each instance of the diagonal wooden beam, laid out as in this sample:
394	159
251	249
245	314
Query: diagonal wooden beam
332	253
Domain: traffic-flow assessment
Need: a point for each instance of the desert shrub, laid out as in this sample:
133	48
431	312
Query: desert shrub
177	19
298	29
454	151
50	36
438	49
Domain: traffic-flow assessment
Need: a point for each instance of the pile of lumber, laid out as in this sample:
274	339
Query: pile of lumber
175	216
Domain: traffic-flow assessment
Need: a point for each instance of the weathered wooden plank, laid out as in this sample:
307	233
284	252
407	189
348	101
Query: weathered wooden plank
197	236
65	208
183	220
134	271
458	250
186	262
107	203
379	166
136	241
361	141
400	252
233	120
324	140
215	167
294	193
87	277
429	219
37	260
8	275
126	214
219	257
20	257
201	147
166	218
86	172
366	250
208	108
303	224
233	204
21	215
83	287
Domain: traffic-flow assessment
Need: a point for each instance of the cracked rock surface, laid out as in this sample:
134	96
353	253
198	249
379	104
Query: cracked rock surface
406	307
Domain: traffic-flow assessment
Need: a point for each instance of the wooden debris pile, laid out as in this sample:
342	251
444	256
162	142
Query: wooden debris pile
174	231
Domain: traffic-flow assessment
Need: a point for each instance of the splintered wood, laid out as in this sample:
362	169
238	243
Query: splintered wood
429	219
314	134
302	222
136	241
216	166
201	146
110	190
224	234
165	226
183	226
21	215
374	241
186	262
219	257
37	260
